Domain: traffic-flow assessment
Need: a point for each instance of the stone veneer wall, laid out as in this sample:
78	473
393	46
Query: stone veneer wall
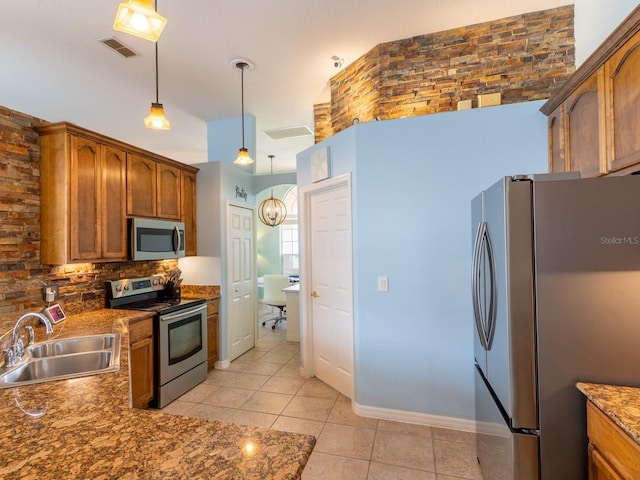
525	57
81	287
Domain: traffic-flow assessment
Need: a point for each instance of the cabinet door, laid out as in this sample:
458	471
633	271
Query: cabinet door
599	468
141	363
85	194
555	127
168	193
189	212
141	186
585	145
114	204
623	95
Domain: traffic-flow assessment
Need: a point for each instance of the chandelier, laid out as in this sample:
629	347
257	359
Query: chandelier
272	211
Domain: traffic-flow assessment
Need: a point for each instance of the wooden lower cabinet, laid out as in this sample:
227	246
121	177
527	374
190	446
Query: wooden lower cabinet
212	333
613	455
141	368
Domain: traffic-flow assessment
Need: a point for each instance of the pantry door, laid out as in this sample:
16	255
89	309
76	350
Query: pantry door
241	281
329	289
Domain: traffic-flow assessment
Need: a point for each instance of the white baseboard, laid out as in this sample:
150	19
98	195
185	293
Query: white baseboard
222	364
414	417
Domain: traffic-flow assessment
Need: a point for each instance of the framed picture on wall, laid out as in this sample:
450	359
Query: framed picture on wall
320	164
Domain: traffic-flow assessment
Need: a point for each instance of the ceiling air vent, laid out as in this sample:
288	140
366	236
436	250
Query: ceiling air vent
289	132
118	47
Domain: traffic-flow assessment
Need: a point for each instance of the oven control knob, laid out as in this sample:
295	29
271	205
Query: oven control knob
154	281
126	287
118	288
161	281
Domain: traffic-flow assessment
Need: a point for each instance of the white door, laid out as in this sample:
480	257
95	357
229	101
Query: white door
241	303
330	286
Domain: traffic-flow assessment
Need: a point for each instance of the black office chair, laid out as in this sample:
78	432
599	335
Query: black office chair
275	297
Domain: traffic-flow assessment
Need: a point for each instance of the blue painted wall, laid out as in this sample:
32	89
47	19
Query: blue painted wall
413	180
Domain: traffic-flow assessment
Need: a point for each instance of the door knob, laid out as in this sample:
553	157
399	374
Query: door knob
314	294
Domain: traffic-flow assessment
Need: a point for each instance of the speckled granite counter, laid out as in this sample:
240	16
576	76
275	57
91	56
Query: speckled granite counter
208	292
620	404
85	428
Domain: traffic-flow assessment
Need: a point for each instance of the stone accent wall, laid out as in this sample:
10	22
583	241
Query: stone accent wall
81	287
525	58
322	121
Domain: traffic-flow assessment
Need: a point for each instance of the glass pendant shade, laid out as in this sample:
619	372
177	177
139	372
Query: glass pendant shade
243	157
272	211
156	118
138	17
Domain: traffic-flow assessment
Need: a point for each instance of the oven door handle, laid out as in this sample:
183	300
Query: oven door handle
183	313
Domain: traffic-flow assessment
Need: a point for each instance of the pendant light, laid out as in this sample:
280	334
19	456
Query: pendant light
243	157
272	211
138	17
156	119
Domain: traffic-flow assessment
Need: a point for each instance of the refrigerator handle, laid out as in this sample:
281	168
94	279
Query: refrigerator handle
485	318
475	285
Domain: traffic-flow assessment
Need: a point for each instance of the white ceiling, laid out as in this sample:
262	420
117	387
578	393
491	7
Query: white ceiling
52	65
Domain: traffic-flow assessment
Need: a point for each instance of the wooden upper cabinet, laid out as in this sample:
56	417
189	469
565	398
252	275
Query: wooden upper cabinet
555	133
85	204
584	117
114	194
83	197
141	186
90	183
623	72
168	193
188	208
598	108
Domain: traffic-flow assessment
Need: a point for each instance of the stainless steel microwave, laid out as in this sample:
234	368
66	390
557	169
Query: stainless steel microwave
156	239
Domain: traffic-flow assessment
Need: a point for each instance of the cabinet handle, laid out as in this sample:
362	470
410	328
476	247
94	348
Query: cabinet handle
314	294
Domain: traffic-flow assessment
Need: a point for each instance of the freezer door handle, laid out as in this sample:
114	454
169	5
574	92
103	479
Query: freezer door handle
483	287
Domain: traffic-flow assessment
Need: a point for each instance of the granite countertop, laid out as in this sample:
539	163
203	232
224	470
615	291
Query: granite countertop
620	404
85	428
208	292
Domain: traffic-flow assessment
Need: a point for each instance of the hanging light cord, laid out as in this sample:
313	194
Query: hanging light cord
242	66
157	94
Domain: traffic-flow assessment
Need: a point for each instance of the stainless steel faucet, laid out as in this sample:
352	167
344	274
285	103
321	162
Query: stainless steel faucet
15	353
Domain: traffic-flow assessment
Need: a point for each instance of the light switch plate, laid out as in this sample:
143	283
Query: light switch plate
383	284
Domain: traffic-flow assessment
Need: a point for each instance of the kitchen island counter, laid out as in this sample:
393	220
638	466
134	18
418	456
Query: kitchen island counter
620	404
85	428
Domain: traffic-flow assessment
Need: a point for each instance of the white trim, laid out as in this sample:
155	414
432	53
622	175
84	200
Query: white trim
414	417
221	364
304	217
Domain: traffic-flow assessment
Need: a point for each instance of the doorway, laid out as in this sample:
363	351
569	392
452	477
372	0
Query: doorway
277	249
326	290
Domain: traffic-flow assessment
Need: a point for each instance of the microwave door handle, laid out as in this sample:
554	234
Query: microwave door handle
177	242
183	313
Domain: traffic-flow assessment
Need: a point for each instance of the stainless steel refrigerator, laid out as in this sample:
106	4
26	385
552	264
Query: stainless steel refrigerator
556	299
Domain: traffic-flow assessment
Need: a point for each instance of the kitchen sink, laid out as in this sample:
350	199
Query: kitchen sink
66	358
67	346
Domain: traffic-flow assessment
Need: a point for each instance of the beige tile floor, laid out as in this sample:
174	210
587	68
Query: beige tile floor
264	388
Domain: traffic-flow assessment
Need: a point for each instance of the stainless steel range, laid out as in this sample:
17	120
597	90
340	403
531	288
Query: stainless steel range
180	333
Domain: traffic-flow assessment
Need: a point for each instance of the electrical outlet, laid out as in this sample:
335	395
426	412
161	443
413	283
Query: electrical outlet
50	293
